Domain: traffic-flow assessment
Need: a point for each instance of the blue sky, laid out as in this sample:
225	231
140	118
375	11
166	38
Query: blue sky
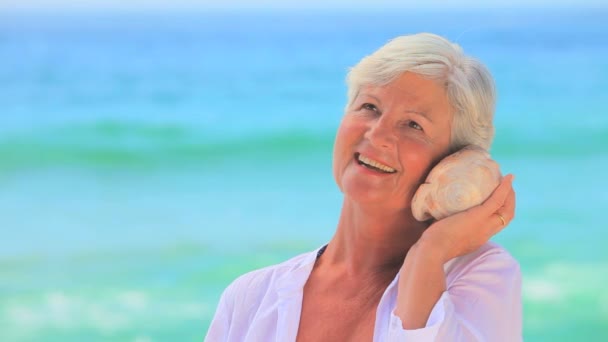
288	4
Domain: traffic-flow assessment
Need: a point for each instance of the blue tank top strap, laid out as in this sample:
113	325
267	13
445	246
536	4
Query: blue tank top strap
320	251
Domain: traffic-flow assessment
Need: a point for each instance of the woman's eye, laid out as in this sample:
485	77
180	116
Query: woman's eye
415	125
369	106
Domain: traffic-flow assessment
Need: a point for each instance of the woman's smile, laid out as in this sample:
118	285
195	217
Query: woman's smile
376	166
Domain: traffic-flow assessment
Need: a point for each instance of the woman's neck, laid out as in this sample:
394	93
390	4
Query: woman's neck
371	242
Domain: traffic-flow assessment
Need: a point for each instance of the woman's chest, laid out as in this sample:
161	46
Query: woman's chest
337	320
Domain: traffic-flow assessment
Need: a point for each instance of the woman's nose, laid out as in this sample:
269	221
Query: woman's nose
380	133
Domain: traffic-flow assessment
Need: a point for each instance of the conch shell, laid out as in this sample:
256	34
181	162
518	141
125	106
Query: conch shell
460	181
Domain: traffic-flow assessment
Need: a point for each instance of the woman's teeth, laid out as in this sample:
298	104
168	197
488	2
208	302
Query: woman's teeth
374	164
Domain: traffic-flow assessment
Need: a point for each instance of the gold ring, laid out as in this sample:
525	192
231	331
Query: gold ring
504	223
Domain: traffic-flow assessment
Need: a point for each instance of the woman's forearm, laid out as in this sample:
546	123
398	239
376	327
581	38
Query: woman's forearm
421	283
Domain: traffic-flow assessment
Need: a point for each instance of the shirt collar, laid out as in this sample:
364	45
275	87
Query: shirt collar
291	283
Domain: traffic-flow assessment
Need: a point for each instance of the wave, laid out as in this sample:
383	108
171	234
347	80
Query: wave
124	144
120	144
557	144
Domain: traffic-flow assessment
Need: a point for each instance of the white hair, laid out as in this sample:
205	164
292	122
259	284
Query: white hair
468	83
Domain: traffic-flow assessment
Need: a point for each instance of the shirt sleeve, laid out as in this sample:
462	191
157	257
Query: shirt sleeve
219	328
482	303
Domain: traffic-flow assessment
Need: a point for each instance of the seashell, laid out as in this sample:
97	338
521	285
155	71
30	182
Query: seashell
458	182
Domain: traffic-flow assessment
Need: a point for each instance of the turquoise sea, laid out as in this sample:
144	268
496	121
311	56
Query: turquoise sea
147	159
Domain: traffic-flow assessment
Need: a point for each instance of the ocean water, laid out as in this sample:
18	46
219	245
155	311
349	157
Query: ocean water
147	160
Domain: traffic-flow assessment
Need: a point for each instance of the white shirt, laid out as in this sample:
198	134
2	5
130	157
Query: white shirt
482	303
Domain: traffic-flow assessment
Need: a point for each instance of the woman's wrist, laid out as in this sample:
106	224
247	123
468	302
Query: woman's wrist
432	247
421	284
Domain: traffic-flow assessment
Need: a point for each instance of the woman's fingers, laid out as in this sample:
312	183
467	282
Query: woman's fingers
502	212
504	215
499	197
508	209
497	210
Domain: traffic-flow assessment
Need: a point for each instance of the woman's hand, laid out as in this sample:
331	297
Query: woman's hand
466	231
422	279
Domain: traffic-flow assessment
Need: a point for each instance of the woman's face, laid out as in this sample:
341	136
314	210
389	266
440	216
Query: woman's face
389	139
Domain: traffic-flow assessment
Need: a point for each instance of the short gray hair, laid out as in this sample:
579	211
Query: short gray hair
468	83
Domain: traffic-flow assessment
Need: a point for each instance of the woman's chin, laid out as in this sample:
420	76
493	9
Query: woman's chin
371	192
363	193
373	199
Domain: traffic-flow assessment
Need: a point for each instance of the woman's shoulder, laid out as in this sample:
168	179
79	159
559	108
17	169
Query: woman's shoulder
269	279
490	257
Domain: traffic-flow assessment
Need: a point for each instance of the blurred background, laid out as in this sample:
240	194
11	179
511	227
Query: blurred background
151	153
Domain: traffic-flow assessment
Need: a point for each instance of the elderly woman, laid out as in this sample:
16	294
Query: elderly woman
384	276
